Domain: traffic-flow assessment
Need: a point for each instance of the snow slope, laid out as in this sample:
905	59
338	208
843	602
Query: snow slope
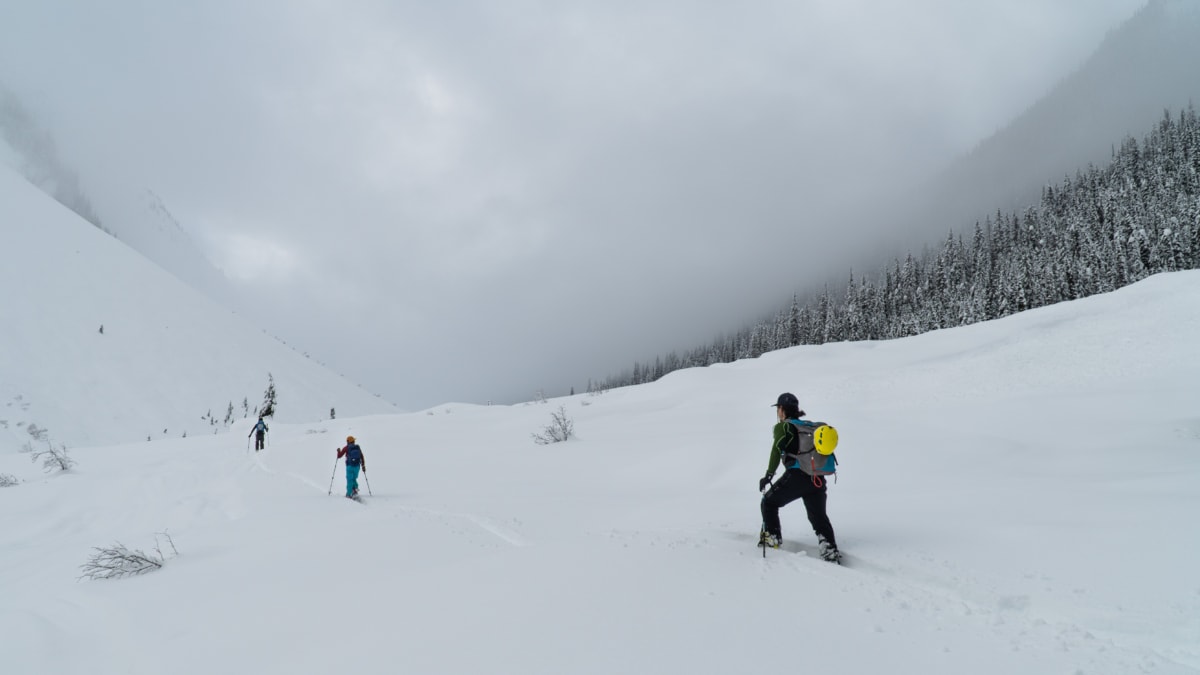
140	219
166	357
1017	496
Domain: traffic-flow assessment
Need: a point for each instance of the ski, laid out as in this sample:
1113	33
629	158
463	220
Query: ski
800	549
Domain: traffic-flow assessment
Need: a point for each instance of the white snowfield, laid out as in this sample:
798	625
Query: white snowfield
167	356
1019	496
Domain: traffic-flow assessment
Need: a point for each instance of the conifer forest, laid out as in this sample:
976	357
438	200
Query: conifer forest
1103	229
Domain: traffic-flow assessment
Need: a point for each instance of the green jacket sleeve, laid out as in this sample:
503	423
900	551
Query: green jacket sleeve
781	434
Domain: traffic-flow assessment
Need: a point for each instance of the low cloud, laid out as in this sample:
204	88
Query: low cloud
508	197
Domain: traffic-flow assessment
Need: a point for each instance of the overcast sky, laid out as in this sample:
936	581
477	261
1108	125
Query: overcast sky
469	201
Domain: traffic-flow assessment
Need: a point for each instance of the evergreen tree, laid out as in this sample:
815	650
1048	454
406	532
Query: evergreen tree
267	409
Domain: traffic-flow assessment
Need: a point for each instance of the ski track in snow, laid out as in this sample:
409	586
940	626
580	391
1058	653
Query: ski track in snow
1011	616
508	536
258	461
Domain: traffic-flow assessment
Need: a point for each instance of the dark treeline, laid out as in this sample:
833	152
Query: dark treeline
1106	228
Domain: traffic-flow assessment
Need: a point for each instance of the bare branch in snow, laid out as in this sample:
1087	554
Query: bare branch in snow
560	428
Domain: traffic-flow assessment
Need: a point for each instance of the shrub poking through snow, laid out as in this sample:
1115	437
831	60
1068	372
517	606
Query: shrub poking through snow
38	433
560	428
116	561
7	480
53	459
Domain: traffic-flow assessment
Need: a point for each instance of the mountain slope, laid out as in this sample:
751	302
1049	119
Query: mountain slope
1014	497
166	357
142	222
1143	67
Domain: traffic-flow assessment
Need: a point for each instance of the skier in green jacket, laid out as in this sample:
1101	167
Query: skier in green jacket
794	484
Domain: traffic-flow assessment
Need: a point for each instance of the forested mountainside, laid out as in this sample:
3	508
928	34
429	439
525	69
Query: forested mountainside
1143	66
1108	227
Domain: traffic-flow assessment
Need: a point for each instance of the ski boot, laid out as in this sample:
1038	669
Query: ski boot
828	550
768	540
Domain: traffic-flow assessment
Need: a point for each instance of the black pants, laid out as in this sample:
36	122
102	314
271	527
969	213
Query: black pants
795	484
258	440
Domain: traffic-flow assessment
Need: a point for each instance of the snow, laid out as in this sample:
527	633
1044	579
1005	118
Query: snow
1016	496
167	355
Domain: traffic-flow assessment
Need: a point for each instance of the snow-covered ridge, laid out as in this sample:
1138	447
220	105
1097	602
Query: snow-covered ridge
166	356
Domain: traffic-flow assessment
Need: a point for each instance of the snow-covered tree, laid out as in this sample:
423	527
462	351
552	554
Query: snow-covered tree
267	409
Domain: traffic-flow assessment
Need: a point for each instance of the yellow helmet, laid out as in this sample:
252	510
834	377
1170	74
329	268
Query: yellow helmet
350	439
825	439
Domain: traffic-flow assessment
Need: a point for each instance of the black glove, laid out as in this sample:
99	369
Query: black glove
763	483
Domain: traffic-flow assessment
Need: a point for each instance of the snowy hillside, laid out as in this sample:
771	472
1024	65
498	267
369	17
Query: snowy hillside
140	219
1016	496
144	223
166	356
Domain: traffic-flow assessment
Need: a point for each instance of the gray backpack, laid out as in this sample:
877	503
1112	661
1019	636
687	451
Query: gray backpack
806	457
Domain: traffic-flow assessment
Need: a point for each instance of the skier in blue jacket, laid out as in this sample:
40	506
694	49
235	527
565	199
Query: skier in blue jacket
354	461
259	431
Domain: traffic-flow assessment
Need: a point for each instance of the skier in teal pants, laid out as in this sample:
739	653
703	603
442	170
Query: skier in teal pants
354	461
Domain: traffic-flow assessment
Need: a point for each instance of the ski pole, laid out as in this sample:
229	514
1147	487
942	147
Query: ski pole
762	539
333	475
368	481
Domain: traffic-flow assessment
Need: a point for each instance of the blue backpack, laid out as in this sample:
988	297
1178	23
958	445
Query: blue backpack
353	454
806	458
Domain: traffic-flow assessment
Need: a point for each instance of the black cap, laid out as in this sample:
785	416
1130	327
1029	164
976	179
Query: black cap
788	400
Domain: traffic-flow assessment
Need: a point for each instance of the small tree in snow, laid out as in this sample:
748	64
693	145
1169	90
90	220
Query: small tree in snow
38	433
560	428
7	480
53	459
267	409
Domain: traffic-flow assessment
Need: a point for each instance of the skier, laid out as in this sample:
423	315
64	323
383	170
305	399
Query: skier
354	460
795	484
259	431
